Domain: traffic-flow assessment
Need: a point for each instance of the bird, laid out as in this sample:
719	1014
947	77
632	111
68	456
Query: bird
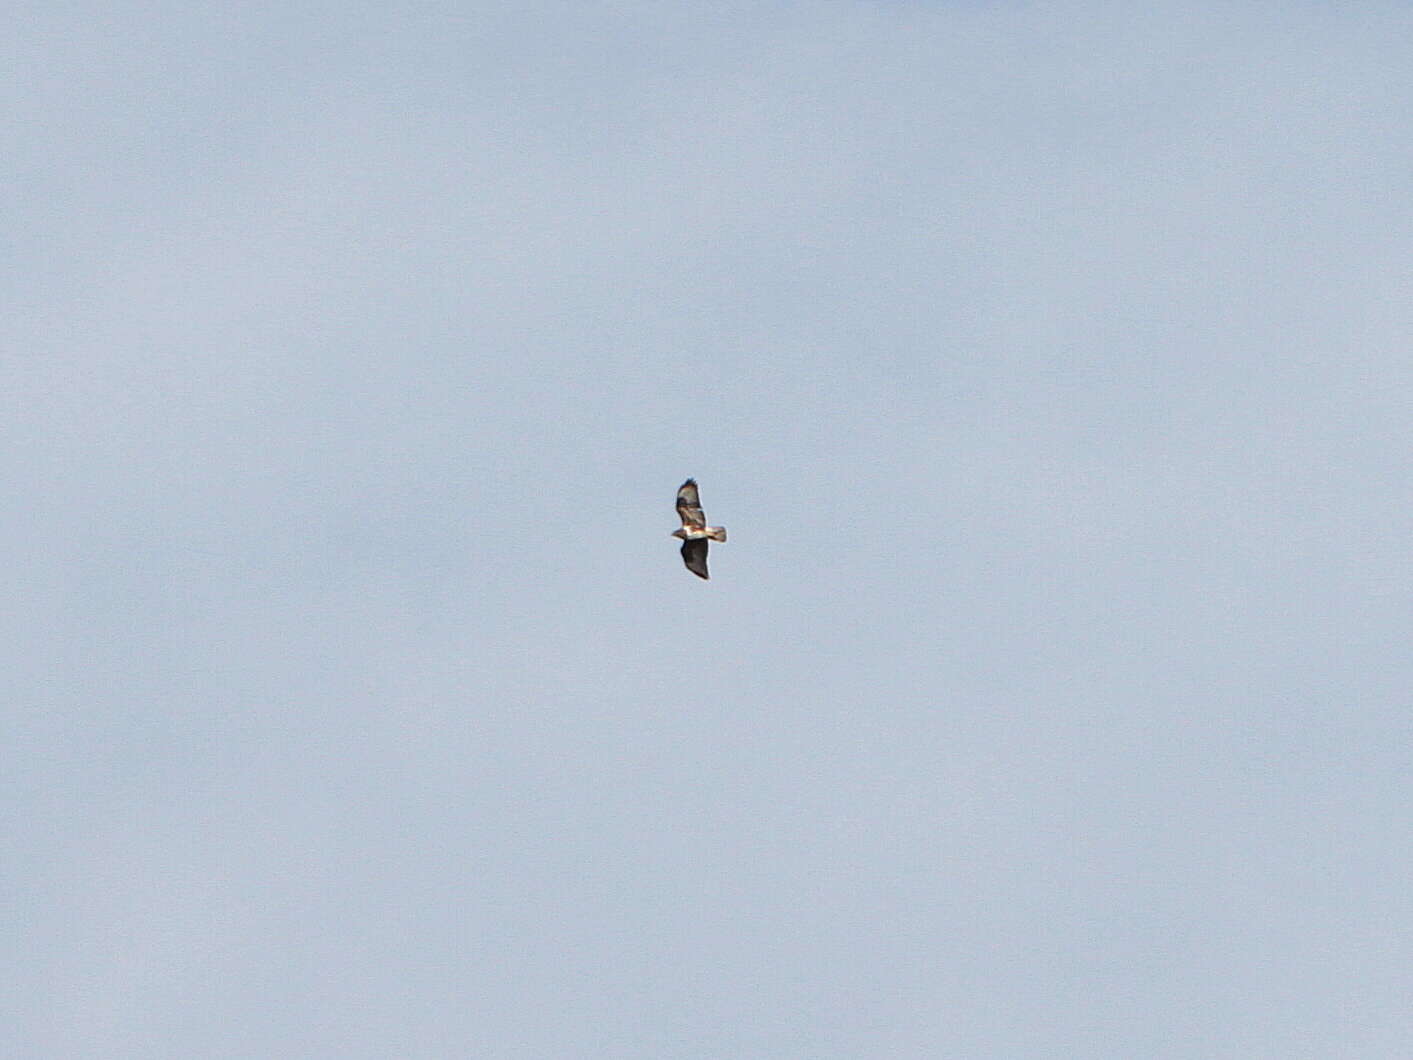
695	533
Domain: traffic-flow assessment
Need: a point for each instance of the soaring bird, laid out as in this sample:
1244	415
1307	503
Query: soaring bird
695	533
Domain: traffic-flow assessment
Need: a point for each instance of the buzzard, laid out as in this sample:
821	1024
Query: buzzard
695	533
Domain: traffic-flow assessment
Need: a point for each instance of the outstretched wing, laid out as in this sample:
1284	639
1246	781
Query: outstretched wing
689	505
694	554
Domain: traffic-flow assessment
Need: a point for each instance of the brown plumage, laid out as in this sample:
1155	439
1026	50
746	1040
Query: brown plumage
694	532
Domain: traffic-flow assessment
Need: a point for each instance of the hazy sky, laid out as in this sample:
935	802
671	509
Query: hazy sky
1048	363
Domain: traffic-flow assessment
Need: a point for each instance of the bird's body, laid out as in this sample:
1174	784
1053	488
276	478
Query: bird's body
694	531
697	533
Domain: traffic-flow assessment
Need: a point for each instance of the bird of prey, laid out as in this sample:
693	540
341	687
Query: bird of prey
695	533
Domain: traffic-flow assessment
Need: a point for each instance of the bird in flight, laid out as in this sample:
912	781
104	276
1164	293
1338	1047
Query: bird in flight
695	533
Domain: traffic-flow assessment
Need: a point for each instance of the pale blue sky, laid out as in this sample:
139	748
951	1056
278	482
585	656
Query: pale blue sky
1048	363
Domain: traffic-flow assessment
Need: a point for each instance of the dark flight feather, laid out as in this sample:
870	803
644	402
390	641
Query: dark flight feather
694	555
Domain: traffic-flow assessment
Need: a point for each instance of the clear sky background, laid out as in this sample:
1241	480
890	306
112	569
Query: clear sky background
1050	365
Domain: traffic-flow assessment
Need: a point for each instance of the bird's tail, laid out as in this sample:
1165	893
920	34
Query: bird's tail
716	533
